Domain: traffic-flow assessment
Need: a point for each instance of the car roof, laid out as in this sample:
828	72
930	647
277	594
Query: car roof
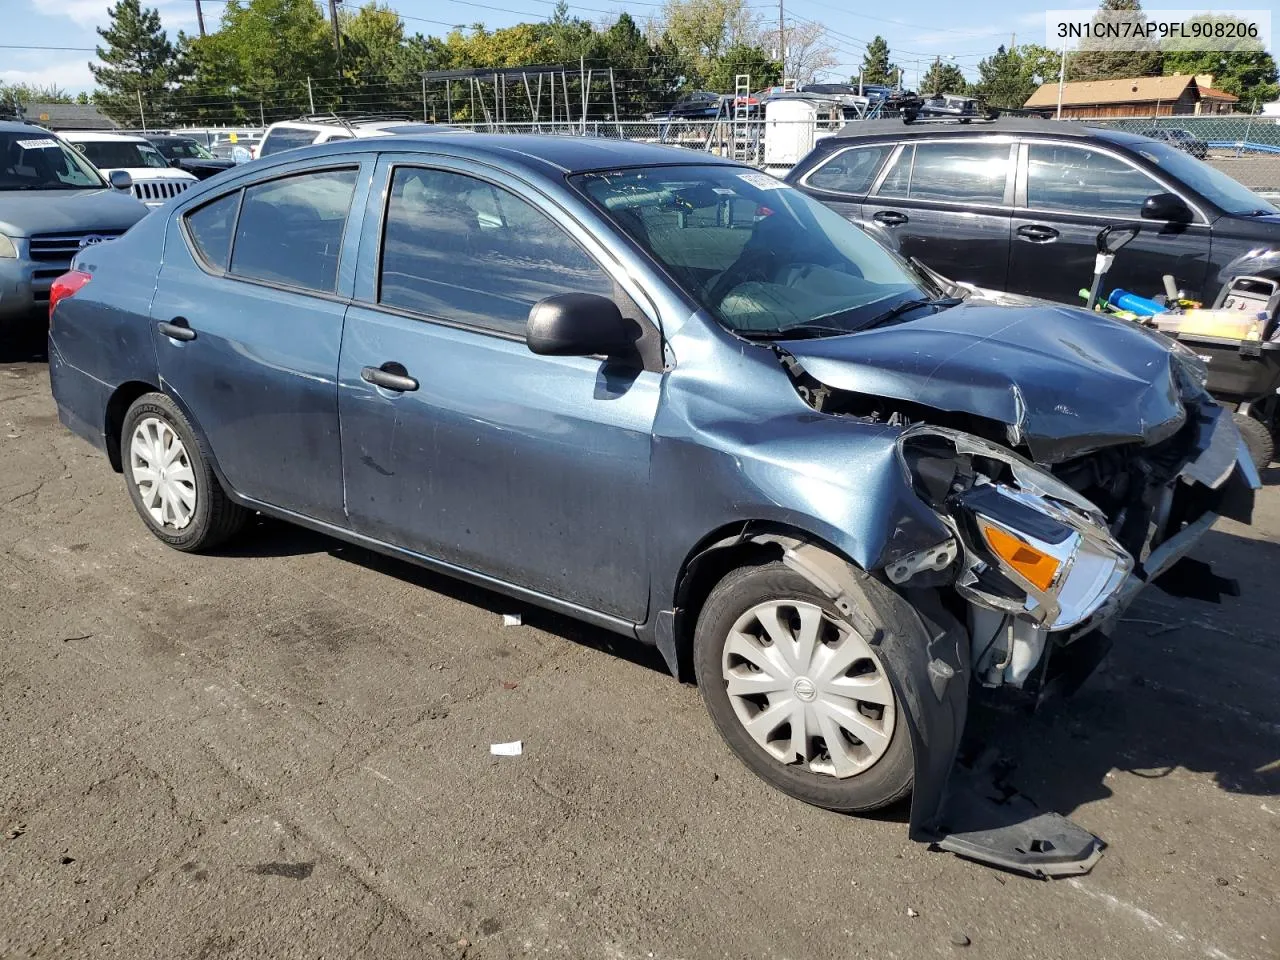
544	154
900	129
94	136
20	126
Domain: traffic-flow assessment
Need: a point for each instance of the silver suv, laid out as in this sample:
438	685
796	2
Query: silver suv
53	203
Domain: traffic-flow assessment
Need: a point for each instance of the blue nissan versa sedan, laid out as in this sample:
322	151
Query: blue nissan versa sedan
671	396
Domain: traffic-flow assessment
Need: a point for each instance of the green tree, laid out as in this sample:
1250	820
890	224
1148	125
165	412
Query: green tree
876	67
259	62
137	61
1246	70
373	44
24	93
643	76
741	58
1111	59
943	78
1004	80
703	31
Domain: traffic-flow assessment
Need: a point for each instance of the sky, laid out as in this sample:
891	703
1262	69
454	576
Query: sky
916	31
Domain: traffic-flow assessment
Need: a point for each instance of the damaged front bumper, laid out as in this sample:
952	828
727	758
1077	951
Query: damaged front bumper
968	811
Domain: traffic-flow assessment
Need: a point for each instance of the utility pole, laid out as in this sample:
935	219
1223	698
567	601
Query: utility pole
782	39
337	34
200	17
1062	76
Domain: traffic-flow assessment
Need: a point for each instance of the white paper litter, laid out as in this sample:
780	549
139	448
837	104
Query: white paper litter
511	620
513	749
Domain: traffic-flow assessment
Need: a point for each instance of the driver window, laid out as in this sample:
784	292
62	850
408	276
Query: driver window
1085	181
465	250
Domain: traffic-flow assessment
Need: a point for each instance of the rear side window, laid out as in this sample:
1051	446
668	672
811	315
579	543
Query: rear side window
955	170
290	230
286	138
461	249
849	171
1080	180
210	229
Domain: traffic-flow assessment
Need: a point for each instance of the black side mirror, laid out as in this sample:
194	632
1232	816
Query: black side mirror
121	180
1166	206
580	325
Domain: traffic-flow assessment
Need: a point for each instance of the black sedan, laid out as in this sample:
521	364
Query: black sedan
187	154
1016	204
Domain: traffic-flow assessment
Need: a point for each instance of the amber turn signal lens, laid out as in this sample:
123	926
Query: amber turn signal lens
1037	567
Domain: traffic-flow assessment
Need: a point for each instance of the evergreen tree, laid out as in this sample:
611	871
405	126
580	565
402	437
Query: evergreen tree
943	78
1111	59
1005	79
138	59
876	67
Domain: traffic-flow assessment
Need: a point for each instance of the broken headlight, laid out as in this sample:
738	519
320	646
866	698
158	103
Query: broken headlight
1031	545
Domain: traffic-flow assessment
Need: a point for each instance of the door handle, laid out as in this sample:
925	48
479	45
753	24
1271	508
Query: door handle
177	329
890	218
1037	233
389	376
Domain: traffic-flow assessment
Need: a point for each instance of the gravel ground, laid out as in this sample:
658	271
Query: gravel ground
283	751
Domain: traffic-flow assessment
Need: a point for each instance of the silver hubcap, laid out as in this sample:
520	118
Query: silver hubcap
808	689
162	472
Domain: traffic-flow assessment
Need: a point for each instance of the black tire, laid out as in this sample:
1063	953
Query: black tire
1257	438
215	518
887	781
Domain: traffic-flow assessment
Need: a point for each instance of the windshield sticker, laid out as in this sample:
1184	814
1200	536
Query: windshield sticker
37	144
762	181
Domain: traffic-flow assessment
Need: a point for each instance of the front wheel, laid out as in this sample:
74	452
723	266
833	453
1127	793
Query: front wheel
801	696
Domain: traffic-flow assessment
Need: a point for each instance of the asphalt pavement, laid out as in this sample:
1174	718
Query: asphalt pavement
282	751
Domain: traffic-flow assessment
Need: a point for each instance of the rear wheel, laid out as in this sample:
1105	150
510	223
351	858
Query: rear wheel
799	694
1258	439
170	480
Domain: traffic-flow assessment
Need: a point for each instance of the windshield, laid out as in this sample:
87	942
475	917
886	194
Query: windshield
1212	184
761	257
116	154
36	160
183	149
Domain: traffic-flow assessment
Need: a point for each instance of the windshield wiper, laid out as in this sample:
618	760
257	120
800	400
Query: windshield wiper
906	306
801	331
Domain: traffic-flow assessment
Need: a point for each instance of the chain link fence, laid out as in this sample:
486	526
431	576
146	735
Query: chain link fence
1246	148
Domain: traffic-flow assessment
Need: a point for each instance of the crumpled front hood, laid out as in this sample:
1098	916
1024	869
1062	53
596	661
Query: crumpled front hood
1065	381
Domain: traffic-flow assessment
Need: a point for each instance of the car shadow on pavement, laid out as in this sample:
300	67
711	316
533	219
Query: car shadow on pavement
24	343
268	537
1188	687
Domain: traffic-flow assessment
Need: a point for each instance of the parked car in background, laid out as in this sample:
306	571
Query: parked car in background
664	393
189	155
1182	139
53	203
239	150
154	181
291	134
702	105
1016	204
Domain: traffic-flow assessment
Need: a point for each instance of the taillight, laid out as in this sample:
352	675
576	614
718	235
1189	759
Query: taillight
66	285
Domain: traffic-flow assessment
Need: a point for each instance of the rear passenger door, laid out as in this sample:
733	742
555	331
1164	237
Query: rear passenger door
949	202
1067	192
248	315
